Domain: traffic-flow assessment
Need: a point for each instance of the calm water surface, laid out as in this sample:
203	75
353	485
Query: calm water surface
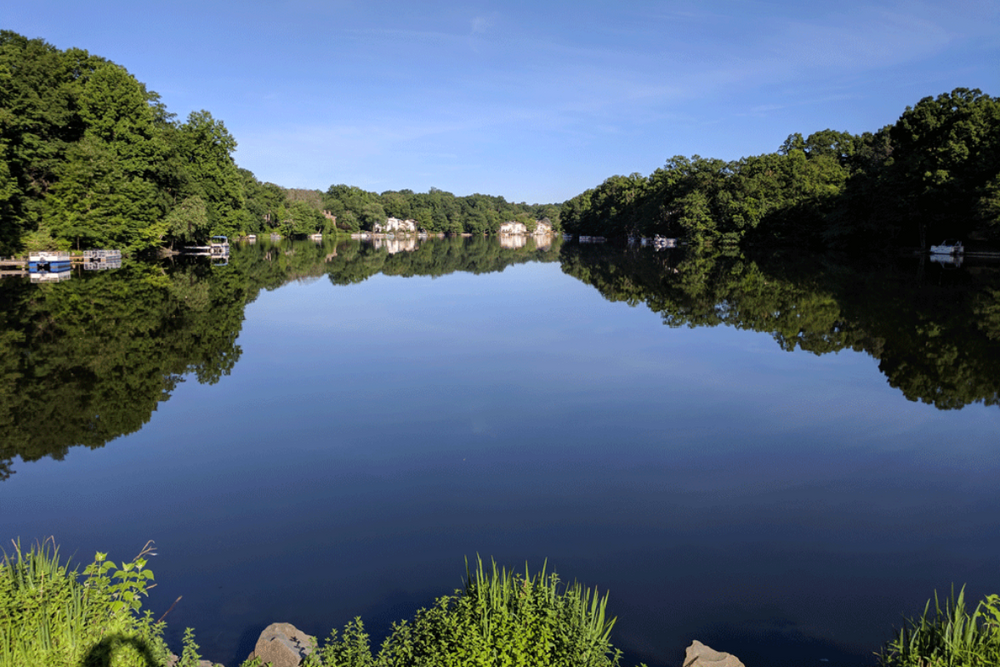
784	506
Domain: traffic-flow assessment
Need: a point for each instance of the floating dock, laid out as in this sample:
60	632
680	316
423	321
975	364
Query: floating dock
218	246
52	262
54	266
101	260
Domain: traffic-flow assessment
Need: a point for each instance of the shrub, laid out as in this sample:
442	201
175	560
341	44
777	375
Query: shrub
499	619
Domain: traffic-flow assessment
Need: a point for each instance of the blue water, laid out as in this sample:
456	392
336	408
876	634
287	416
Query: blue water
786	507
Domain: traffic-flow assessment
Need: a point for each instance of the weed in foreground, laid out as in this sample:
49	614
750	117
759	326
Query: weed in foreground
948	637
51	616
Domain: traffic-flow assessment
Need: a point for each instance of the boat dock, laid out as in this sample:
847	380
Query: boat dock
218	246
54	266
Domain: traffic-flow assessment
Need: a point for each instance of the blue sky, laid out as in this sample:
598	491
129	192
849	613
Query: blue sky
536	101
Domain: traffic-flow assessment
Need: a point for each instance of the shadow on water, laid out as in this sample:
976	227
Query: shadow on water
104	652
246	644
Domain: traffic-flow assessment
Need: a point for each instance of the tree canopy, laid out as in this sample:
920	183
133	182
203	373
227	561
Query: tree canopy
435	211
90	158
933	174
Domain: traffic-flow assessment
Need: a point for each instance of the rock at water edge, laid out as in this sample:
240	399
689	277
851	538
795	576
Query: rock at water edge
283	645
699	655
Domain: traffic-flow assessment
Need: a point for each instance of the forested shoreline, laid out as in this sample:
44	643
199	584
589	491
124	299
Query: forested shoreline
934	174
89	157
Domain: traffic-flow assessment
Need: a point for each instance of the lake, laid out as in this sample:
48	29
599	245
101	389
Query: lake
779	458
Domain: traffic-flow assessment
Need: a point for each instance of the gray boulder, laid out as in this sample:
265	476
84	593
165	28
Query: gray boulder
283	645
699	655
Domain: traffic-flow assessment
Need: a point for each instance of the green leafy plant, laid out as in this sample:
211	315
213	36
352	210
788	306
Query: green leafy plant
50	616
133	579
948	637
501	618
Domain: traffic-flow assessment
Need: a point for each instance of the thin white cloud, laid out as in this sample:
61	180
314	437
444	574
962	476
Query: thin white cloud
481	24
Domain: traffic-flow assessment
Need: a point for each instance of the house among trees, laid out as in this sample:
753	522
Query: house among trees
396	225
543	228
513	229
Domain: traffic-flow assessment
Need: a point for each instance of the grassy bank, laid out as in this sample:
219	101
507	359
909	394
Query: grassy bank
52	615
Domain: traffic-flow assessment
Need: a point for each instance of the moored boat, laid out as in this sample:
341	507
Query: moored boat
948	247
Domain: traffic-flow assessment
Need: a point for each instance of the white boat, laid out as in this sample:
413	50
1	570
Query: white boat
948	261
948	247
661	242
218	246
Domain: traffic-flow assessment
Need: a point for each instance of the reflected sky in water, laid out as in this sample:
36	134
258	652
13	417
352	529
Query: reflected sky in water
786	507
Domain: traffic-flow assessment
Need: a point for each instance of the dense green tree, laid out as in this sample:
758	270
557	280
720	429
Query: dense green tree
934	173
946	156
188	223
38	102
207	146
105	192
90	157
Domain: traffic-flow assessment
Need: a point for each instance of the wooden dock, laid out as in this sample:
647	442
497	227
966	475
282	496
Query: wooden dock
36	264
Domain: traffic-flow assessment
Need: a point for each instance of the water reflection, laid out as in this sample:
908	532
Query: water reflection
394	245
85	361
88	360
720	488
934	331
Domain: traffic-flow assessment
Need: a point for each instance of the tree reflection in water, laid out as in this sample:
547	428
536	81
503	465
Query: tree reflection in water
87	360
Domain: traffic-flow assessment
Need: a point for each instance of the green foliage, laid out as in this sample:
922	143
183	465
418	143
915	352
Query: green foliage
49	617
189	654
435	211
500	619
932	175
207	147
188	222
948	637
90	158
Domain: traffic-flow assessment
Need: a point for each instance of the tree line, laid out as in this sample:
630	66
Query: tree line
933	174
89	157
435	211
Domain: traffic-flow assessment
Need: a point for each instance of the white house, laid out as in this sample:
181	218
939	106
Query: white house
396	225
514	228
544	228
